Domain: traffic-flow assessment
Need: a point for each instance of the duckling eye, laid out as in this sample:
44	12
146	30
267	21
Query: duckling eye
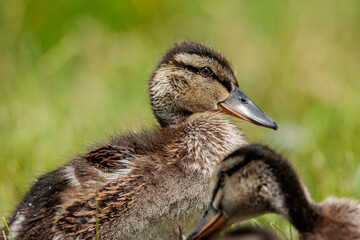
206	71
222	177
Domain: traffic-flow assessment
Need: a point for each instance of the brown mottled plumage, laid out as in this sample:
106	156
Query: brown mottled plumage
255	180
142	185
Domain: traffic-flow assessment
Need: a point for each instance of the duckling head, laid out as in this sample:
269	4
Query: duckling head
193	78
252	181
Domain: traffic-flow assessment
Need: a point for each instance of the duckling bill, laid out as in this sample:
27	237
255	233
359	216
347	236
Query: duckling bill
212	220
239	105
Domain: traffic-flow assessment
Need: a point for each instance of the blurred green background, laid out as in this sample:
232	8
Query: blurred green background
73	71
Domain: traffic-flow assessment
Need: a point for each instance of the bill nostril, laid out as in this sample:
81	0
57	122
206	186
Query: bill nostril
243	100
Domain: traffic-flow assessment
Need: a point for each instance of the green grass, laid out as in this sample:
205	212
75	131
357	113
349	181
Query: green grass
280	226
73	71
7	227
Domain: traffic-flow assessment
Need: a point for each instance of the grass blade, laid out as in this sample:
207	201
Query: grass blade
7	227
258	222
291	234
4	235
279	231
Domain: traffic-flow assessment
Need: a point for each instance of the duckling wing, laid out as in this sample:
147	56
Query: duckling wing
110	159
71	198
86	214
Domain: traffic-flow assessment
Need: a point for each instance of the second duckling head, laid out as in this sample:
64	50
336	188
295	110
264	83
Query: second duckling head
252	181
193	78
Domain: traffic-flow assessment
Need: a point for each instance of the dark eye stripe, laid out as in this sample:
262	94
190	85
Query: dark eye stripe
218	185
226	84
237	167
188	67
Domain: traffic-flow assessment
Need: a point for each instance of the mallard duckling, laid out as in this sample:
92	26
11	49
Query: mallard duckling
255	180
142	185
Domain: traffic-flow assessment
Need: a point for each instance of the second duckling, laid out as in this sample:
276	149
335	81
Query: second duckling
255	180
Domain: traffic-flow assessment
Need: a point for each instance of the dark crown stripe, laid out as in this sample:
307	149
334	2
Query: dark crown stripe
198	49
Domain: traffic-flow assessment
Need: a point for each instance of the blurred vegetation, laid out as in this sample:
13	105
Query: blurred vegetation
73	71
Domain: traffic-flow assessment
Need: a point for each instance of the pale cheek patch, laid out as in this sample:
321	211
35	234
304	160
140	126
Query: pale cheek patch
223	93
215	90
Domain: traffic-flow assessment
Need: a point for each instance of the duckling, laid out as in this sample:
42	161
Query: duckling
255	180
142	185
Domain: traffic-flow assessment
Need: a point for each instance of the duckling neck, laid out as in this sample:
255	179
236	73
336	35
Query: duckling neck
304	217
302	211
172	118
169	114
291	198
207	138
